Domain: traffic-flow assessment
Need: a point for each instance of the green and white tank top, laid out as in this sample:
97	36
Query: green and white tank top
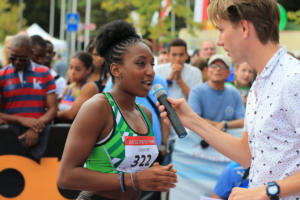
123	149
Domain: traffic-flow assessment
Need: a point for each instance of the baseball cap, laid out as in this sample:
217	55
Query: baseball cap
223	58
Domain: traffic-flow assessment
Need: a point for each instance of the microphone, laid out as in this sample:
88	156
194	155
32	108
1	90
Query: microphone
161	95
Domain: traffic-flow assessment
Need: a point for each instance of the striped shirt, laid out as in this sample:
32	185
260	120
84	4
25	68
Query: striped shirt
24	93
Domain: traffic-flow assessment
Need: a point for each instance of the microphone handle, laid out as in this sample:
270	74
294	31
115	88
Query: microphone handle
175	121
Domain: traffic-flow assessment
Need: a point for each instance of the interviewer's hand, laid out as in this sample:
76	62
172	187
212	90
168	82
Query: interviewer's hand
248	194
182	109
156	178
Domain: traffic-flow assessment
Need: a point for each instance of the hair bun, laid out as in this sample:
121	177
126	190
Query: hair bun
113	33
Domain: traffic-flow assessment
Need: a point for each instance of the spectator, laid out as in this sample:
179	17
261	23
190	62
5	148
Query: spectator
5	51
244	75
60	82
111	135
180	76
207	49
234	175
60	66
38	49
162	57
100	74
194	56
201	63
80	90
28	99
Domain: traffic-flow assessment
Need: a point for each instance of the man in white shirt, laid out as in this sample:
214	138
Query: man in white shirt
181	77
249	32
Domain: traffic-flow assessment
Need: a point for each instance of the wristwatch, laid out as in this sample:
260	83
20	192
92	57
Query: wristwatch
169	82
273	190
225	125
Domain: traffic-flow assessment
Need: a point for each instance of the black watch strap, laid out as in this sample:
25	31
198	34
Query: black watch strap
273	194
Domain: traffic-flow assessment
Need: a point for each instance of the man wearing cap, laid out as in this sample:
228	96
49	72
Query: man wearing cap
221	106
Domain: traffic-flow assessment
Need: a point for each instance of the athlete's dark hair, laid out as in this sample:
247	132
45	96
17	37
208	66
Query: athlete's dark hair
91	45
113	40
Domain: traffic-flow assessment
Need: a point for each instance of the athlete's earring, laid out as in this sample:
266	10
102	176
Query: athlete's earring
120	77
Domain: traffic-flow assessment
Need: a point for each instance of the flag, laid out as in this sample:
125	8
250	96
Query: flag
166	7
200	10
165	10
155	18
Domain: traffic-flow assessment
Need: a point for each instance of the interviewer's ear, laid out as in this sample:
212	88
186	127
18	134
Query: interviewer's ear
245	27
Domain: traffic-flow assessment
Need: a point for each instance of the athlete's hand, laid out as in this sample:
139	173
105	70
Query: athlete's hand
156	178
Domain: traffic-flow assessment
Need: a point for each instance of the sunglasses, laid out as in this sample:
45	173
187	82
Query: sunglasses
21	59
214	66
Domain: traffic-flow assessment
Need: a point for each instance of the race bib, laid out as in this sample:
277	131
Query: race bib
140	153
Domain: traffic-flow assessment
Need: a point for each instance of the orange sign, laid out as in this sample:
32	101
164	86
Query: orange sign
40	179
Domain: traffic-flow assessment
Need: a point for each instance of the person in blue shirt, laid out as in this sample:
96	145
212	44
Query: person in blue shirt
234	175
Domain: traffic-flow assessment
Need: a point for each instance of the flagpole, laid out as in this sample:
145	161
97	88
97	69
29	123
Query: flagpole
173	20
188	5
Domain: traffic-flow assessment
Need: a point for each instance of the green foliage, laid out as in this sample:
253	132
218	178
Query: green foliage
294	16
100	15
39	12
9	24
146	9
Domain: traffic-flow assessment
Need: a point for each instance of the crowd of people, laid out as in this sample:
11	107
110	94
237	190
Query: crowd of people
237	109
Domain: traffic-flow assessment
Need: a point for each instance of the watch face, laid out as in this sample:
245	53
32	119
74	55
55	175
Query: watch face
273	189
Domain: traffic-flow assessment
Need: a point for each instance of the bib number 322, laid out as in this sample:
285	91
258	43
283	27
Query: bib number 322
141	160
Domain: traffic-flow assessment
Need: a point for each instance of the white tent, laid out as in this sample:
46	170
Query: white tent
60	46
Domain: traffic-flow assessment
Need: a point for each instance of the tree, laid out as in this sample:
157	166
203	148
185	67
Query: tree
39	12
99	15
9	24
146	9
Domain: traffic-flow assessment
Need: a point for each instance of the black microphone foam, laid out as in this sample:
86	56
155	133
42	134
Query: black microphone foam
161	95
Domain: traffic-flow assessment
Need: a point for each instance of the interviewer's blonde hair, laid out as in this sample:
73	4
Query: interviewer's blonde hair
264	14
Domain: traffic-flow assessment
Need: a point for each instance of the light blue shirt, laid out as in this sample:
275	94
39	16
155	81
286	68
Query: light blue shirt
217	105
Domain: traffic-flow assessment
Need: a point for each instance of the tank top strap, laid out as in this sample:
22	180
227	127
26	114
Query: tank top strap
146	119
113	104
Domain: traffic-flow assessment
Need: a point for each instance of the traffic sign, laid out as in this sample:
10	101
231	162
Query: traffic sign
72	22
